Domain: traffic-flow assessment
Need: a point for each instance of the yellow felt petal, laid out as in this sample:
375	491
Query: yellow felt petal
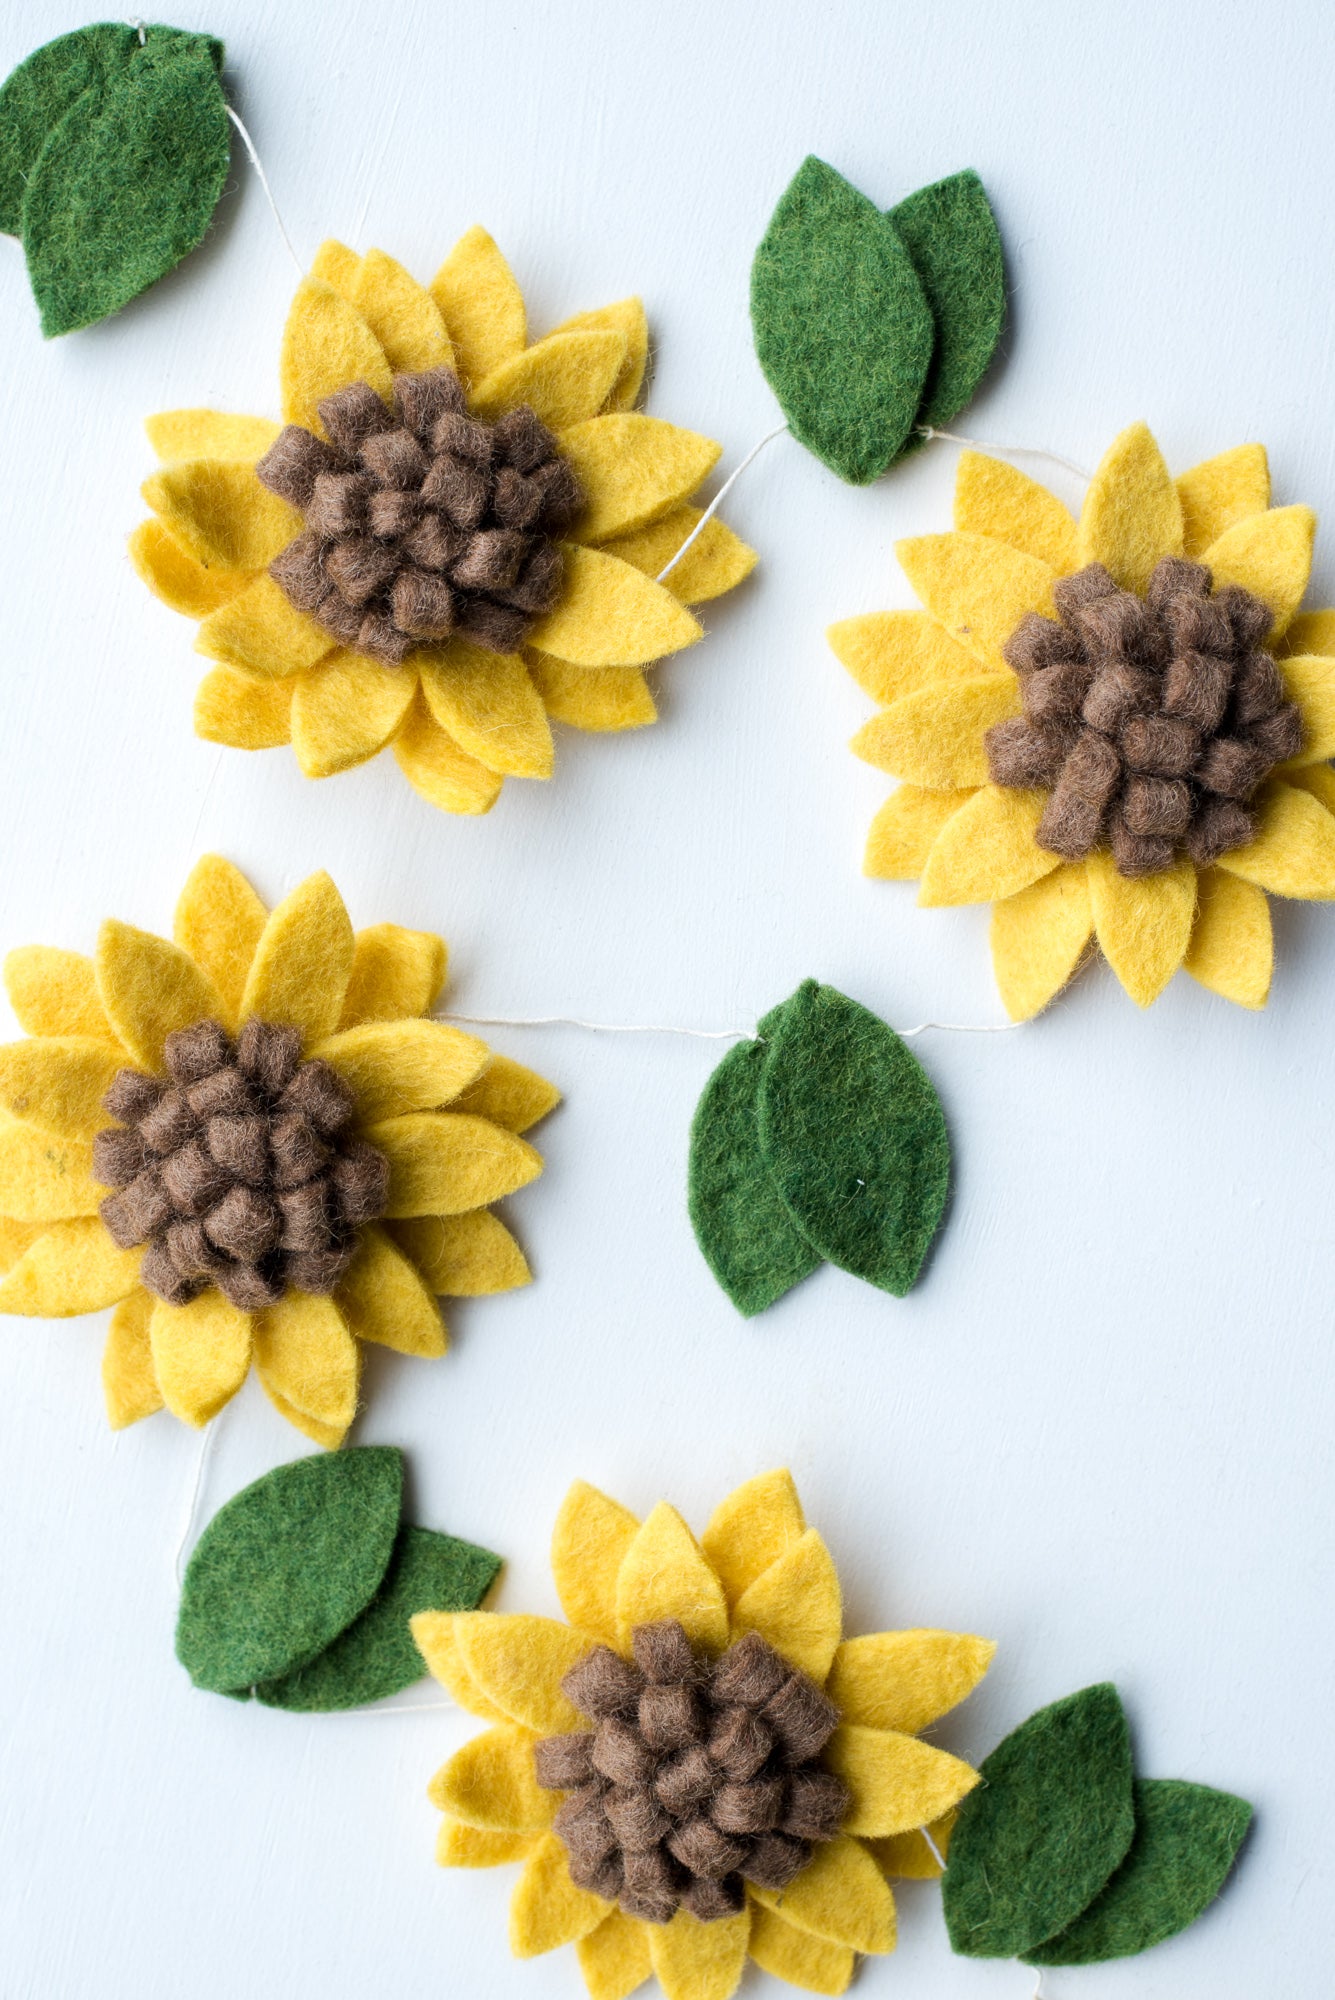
237	708
563	379
755	1524
695	1961
460	1846
611	615
1309	632
299	973
490	1783
150	988
435	765
218	921
633	470
1268	554
73	1268
45	1179
664	1574
1232	950
201	1354
396	973
624	316
987	850
481	305
900	837
1219	492
434	1638
326	345
841	1895
219	511
16	1237
978	589
995	499
895	653
796	1605
717	560
337	265
1319	780
546	1909
463	1256
129	1384
1293	853
796	1956
615	1958
589	1543
909	1856
177	577
519	1663
936	737
905	1680
397	1066
1038	939
510	1095
383	1299
402	315
489	705
1309	679
1132	516
1143	926
54	992
57	1083
604	699
261	632
443	1162
345	712
309	1362
198	433
897	1781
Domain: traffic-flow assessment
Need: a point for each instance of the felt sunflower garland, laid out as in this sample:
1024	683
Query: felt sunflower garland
254	1144
455	536
698	1768
1115	729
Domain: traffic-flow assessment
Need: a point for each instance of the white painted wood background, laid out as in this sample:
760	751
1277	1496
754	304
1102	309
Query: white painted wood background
1099	1429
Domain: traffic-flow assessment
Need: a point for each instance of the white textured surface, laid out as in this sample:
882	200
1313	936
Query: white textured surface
1099	1429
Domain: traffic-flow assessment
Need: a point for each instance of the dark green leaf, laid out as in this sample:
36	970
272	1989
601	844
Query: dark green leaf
854	1137
1041	1835
376	1656
842	325
951	235
287	1565
750	1241
1186	1840
35	97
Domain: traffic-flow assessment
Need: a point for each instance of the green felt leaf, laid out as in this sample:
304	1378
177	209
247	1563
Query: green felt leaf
951	234
35	97
854	1136
376	1656
842	325
749	1239
1041	1835
287	1565
1186	1840
126	181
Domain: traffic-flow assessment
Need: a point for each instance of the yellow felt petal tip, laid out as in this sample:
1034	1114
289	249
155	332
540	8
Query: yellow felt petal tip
489	705
841	1895
905	1680
344	711
326	346
1039	937
1293	853
891	654
443	1162
1231	950
490	1784
1219	492
434	1637
57	1085
393	1067
54	992
385	1298
664	1574
633	469
796	1605
402	315
563	379
1143	926
177	577
1132	516
201	1354
614	1959
258	630
695	1961
74	1267
589	1542
1270	555
460	1846
601	699
902	834
218	920
235	708
611	615
150	988
798	1958
396	974
299	974
481	305
219	512
129	1384
755	1524
199	433
626	317
463	1256
510	1095
309	1363
440	769
977	589
519	1662
987	850
992	498
546	1909
896	1781
716	561
936	737
916	1856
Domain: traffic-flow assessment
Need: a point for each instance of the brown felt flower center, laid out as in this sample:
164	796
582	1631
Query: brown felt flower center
697	1777
1149	720
237	1168
421	521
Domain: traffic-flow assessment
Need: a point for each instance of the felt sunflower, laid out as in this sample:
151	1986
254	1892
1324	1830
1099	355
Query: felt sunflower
256	1147
1116	729
455	536
697	1767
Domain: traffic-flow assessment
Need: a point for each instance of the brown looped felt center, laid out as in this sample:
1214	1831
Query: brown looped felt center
421	521
697	1777
237	1168
1150	720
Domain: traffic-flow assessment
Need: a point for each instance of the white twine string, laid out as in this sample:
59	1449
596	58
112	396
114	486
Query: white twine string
249	145
197	1487
1009	450
937	1855
703	1034
720	497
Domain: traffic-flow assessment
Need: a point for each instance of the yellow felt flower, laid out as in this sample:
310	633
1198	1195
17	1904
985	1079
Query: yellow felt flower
698	1766
459	536
1115	729
255	1145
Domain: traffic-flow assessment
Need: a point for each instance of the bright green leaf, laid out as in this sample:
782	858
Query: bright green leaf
35	97
951	235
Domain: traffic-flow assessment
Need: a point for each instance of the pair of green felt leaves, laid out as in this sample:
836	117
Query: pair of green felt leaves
114	147
870	325
1062	1856
300	1589
821	1141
